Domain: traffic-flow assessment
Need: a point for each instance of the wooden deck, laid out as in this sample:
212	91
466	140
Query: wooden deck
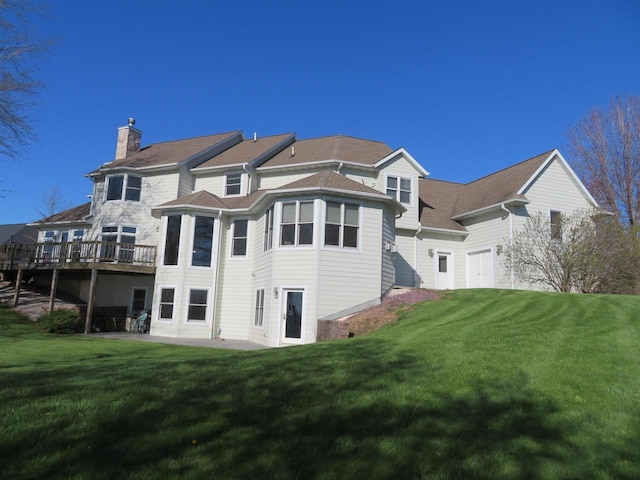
77	255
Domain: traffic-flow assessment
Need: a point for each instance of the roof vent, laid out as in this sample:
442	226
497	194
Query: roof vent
293	150
255	136
132	121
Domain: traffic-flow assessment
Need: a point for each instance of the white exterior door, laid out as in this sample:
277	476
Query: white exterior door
444	271
480	268
292	315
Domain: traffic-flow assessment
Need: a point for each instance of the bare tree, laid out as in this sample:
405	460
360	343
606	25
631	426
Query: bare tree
558	256
604	148
52	202
19	48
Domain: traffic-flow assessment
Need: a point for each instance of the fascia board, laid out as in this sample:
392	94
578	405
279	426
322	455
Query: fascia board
488	208
556	153
401	151
444	230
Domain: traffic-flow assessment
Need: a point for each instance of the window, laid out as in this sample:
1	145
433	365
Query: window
197	305
172	242
118	243
116	186
233	184
109	243
399	188
555	220
268	230
442	263
239	242
139	300
166	303
297	223
342	225
259	314
202	242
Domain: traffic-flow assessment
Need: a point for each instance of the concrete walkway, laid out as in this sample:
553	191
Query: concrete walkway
34	303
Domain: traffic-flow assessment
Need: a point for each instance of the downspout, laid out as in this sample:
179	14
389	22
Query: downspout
246	168
509	214
216	277
339	167
415	257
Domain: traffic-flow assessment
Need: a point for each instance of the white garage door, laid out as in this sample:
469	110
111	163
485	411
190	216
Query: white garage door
480	269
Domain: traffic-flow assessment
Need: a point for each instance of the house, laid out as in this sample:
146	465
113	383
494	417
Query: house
266	238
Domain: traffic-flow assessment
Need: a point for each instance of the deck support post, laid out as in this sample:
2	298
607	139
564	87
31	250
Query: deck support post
54	288
16	295
92	291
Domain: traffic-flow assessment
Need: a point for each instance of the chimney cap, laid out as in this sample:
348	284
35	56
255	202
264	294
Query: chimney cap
132	121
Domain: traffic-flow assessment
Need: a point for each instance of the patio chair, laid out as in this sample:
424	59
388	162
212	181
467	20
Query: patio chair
140	324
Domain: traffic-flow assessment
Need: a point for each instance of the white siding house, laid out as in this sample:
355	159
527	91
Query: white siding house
259	239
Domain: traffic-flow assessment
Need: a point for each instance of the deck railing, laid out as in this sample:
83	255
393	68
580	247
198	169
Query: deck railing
14	256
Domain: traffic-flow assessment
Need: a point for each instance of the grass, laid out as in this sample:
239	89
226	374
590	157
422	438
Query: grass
483	384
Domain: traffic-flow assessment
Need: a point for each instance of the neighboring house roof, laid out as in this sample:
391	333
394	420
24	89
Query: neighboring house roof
169	153
73	215
337	147
437	201
248	151
18	233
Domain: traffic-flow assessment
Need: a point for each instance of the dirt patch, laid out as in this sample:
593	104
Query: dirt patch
374	318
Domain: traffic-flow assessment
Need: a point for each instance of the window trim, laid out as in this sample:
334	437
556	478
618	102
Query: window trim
188	304
125	188
212	253
296	223
233	239
259	304
160	303
398	188
341	247
232	176
268	230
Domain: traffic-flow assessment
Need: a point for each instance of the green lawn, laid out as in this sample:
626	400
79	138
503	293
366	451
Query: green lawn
484	384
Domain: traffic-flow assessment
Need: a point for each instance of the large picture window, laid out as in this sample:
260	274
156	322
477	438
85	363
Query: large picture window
172	242
197	305
202	242
399	188
128	185
342	225
239	243
297	223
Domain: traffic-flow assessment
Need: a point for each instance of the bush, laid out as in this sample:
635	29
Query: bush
61	321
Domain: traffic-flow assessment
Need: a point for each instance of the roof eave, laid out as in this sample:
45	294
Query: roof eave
462	233
495	206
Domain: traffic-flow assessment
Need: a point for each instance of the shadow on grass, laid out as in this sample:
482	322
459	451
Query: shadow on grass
359	410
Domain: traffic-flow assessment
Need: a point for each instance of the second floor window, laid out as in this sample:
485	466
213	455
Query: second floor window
124	187
233	184
172	242
297	223
342	224
399	188
202	242
268	230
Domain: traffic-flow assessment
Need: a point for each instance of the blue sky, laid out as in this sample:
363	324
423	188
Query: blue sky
467	87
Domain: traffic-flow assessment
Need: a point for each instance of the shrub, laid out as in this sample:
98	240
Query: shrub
61	321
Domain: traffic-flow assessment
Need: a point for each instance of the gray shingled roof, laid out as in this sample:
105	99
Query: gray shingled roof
325	179
169	153
437	201
18	233
499	186
337	147
75	214
442	201
245	151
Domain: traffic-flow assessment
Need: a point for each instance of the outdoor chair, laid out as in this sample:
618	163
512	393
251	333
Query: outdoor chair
140	324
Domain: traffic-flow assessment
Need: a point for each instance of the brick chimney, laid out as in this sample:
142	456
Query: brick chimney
128	140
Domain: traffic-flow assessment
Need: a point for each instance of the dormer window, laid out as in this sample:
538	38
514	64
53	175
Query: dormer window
399	188
233	184
127	185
